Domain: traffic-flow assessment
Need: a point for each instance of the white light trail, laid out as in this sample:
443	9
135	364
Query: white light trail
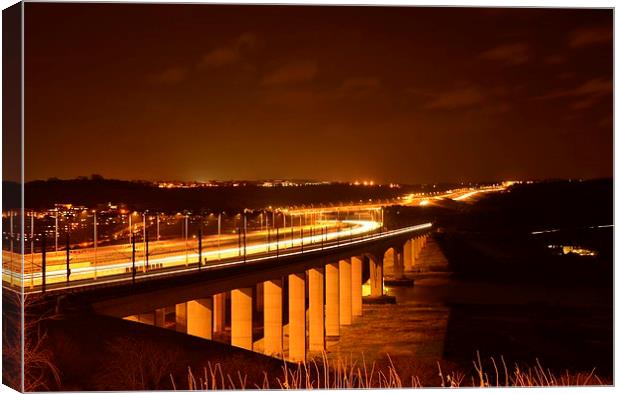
180	260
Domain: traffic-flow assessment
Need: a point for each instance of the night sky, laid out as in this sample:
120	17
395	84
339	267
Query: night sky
195	92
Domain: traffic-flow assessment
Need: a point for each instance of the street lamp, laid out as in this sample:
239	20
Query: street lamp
11	270
157	216
238	226
130	229
55	229
186	240
31	249
144	234
245	233
219	233
95	240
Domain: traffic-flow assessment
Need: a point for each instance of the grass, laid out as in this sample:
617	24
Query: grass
346	373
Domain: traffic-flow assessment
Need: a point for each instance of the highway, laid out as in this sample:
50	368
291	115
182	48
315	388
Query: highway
118	259
115	262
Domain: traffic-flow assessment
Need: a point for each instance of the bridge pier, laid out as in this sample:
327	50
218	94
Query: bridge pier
219	312
408	255
180	317
344	270
200	318
160	317
259	297
296	317
272	317
147	318
316	319
356	286
414	252
418	246
399	267
421	245
376	277
241	317
332	301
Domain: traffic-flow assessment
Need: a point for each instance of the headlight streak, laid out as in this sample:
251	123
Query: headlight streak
285	253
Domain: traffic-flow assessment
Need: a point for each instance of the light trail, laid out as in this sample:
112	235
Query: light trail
555	230
286	253
86	271
110	253
466	195
362	227
456	195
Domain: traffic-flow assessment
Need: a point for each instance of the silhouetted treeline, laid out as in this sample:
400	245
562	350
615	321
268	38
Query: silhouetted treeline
144	195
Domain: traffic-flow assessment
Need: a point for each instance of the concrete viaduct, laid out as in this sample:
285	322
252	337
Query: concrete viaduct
319	292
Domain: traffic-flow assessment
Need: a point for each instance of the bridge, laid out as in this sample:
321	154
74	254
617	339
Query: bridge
318	290
305	280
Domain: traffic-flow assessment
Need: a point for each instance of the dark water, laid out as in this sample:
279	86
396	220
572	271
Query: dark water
444	317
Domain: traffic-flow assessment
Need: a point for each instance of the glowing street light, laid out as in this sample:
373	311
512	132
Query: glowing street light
95	241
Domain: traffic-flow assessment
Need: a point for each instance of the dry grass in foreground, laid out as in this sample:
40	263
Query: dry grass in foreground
348	374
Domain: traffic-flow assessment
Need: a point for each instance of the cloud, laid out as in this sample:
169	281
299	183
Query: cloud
220	57
589	36
584	95
231	53
170	75
247	41
554	59
511	54
354	84
359	87
297	98
596	87
293	72
361	83
457	98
